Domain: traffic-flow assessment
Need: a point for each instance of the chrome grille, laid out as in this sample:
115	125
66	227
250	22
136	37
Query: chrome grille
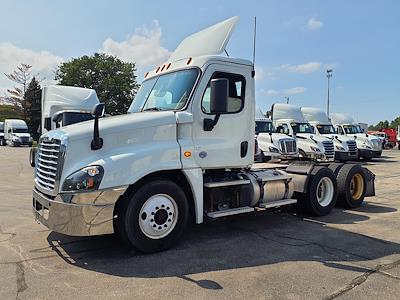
288	146
352	146
48	161
329	149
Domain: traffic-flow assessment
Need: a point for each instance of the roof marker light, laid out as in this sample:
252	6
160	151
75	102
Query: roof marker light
168	66
145	75
189	61
158	69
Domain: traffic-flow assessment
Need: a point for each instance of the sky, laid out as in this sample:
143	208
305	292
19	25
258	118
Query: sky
296	42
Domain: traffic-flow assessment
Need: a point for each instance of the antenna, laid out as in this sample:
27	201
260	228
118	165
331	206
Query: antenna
253	73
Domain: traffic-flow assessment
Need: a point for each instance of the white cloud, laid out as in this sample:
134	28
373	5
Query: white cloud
259	73
314	24
142	47
306	68
43	63
295	90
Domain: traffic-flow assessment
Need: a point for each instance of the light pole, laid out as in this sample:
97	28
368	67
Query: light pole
328	75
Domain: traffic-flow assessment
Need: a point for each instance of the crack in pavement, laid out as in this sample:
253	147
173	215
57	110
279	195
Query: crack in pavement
379	269
11	235
20	279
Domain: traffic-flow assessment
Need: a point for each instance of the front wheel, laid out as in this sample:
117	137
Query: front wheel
153	217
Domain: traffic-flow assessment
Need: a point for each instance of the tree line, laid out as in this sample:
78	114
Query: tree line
385	125
113	80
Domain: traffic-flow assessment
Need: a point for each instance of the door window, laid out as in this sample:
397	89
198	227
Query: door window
236	92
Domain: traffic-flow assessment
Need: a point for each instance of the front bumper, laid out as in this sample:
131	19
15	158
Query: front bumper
344	156
367	153
82	214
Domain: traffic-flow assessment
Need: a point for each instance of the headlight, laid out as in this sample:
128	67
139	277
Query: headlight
85	179
315	149
273	149
340	148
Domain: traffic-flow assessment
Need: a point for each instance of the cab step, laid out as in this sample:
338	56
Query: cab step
230	212
277	203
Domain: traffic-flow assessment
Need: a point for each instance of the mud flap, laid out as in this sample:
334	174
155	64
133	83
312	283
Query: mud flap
370	183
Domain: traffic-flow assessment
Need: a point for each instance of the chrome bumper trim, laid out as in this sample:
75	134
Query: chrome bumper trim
78	214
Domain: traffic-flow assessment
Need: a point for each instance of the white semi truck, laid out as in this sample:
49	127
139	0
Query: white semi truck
345	147
289	119
273	145
16	133
62	106
369	146
183	152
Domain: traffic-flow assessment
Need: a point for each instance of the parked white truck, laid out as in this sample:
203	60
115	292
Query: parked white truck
183	152
62	106
289	119
345	147
273	145
368	146
16	133
2	140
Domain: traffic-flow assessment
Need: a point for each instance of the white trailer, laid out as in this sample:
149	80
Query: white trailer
16	133
368	146
345	147
184	151
62	106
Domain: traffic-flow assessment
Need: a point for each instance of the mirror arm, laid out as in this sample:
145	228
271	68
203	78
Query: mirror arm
97	142
209	124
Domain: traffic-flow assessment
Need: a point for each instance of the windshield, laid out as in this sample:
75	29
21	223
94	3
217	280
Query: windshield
75	117
20	130
301	128
165	92
352	129
326	129
266	127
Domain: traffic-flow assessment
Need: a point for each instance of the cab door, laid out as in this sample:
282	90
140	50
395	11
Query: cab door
231	142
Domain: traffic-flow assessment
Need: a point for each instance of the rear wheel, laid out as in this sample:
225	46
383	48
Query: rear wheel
153	217
321	193
351	185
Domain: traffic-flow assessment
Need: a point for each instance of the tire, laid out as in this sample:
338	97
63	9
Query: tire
351	182
32	155
321	193
302	154
335	167
153	217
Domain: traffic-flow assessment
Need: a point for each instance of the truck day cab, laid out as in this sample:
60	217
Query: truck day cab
289	119
62	106
16	133
273	145
345	147
368	146
183	152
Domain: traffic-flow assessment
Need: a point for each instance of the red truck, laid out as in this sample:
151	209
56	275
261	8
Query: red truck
388	136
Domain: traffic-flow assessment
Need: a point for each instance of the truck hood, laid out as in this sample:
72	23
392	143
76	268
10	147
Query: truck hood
118	125
310	136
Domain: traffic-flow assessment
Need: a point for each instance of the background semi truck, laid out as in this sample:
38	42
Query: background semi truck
16	133
184	152
289	119
2	140
368	146
62	106
345	147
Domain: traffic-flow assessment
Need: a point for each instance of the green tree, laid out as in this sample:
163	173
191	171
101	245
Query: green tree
395	123
113	80
33	97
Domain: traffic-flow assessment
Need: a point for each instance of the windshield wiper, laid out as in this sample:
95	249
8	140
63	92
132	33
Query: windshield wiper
152	109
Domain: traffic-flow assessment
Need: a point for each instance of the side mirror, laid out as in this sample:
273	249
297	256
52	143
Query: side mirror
97	142
98	110
47	123
219	91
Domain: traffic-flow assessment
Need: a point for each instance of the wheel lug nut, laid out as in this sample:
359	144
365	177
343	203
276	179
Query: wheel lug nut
152	220
157	208
162	206
154	225
169	220
167	207
165	225
159	227
170	213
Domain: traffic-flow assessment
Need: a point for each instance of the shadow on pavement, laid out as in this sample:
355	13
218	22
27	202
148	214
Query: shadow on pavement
255	239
